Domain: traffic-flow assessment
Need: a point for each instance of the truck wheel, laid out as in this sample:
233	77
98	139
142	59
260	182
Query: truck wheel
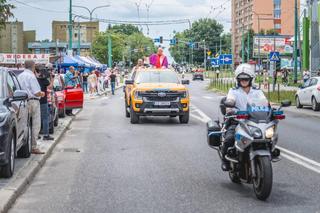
184	119
134	118
8	169
126	109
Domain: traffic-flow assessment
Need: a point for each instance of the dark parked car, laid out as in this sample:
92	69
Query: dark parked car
15	128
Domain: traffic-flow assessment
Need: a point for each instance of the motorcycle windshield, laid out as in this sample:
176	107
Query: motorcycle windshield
259	109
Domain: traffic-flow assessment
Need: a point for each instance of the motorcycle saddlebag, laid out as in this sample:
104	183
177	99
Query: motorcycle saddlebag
214	134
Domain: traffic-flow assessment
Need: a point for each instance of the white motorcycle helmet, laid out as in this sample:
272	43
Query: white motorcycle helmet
245	71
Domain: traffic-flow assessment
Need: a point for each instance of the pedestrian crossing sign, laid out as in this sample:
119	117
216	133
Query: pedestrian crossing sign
274	56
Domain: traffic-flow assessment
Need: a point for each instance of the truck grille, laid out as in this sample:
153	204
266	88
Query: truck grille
162	96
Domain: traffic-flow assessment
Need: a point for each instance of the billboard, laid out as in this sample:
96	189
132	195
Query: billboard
283	44
21	58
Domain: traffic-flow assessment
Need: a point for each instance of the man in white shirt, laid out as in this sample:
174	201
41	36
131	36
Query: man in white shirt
30	83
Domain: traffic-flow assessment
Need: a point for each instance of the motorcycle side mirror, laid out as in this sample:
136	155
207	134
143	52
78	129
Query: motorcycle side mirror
229	103
285	103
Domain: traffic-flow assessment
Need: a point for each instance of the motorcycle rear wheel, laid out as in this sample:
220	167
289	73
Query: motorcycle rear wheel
262	183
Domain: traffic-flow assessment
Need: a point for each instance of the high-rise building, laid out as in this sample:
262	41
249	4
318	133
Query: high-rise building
260	15
14	40
11	38
88	31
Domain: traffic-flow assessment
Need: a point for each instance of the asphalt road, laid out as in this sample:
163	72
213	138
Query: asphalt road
105	164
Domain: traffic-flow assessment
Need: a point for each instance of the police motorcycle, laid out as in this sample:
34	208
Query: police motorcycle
254	149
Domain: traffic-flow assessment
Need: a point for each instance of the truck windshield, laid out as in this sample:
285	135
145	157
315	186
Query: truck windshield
156	77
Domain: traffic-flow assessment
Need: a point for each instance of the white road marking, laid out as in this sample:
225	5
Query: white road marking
208	97
289	155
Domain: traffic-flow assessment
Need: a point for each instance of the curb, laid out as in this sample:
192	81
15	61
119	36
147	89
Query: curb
10	193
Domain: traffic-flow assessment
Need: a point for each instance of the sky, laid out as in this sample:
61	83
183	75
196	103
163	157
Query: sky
40	20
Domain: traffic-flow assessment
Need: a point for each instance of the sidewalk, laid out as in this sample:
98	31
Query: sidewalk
104	93
26	168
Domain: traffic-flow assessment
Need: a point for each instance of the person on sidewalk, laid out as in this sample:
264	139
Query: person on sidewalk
70	78
92	79
306	76
85	82
113	78
217	73
28	82
45	84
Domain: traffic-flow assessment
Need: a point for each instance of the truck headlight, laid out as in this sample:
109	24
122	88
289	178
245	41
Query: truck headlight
137	95
255	132
270	132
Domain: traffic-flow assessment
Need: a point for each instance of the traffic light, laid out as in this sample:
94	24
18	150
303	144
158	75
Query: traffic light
161	39
177	41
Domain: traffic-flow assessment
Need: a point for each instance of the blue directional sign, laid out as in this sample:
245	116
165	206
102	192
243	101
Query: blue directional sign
173	41
215	62
156	40
225	59
274	56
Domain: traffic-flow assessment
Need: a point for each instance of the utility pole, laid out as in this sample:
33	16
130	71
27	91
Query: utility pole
109	51
242	45
79	41
295	41
248	58
70	25
204	55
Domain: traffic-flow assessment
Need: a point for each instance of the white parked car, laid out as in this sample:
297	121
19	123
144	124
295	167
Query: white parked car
309	94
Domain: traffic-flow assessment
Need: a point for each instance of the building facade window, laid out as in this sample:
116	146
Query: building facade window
277	26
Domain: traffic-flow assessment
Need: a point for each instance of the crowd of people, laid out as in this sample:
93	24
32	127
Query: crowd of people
35	81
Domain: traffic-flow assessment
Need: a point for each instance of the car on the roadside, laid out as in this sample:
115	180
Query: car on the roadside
73	96
197	74
156	92
15	123
309	94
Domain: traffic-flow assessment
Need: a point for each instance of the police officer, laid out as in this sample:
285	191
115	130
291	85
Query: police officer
244	91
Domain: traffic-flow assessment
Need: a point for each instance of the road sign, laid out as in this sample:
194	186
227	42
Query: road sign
225	59
156	40
274	56
215	62
173	41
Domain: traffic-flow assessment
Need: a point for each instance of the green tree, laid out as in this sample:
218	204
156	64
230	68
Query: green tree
203	30
5	12
272	32
128	44
126	29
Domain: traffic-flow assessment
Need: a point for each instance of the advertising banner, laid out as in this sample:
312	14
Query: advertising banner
21	58
266	44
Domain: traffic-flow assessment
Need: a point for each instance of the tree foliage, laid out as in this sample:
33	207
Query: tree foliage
204	31
128	44
5	12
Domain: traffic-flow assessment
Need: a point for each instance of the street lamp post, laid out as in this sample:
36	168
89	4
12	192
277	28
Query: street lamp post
259	53
91	11
70	26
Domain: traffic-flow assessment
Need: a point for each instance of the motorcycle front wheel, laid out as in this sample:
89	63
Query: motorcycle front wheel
262	183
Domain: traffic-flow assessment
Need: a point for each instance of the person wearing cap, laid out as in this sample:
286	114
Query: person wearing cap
244	91
28	82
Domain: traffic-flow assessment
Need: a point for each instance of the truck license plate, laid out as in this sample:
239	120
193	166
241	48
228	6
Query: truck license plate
162	103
